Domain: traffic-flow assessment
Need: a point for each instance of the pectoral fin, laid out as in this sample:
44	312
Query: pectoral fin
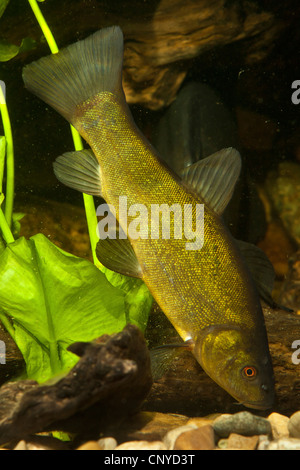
214	178
163	356
260	267
262	271
118	255
79	170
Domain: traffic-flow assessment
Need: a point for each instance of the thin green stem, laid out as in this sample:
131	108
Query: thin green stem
2	160
87	199
10	171
6	232
89	204
44	26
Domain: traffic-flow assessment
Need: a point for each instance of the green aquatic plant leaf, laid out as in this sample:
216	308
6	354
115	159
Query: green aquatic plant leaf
50	299
16	226
3	5
138	299
9	51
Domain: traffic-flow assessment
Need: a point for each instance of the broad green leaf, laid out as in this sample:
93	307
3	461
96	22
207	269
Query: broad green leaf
53	299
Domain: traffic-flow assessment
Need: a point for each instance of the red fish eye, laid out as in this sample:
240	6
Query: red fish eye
249	372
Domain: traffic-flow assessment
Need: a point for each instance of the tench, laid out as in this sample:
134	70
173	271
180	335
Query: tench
206	290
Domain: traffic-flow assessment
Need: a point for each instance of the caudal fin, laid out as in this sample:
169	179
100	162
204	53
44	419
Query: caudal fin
78	72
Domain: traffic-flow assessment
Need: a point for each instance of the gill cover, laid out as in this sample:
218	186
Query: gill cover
226	353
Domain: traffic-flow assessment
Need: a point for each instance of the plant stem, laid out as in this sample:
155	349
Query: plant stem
87	199
6	232
44	26
89	204
2	161
10	172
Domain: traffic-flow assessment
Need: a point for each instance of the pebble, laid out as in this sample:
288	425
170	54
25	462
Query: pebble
279	425
21	445
239	442
202	438
244	423
171	436
285	443
90	445
142	445
107	443
294	425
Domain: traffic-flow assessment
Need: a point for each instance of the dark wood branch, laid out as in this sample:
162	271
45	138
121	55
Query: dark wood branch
109	382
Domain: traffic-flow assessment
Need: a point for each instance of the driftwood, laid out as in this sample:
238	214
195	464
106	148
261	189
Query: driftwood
161	37
187	389
109	382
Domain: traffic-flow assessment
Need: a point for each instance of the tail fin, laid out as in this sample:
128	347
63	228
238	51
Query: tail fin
78	72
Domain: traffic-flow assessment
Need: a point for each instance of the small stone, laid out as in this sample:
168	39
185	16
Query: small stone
142	445
170	438
239	442
279	424
21	445
294	425
223	444
244	423
196	439
107	443
286	443
263	442
90	445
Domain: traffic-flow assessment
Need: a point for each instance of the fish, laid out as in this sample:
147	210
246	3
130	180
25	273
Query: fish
208	294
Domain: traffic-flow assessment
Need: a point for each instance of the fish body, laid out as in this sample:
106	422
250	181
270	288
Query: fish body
208	293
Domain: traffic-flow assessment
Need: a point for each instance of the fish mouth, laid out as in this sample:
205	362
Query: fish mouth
256	404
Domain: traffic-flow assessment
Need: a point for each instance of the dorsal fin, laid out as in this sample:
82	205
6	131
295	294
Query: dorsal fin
214	178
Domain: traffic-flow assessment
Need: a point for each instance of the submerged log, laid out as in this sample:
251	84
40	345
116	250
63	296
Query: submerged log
161	37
